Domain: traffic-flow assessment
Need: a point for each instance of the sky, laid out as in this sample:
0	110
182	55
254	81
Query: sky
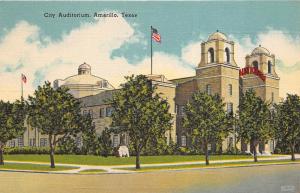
46	48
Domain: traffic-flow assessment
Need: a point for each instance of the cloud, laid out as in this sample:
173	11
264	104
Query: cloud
287	53
23	51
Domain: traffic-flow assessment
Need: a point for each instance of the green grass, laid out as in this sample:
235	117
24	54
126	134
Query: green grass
216	165
33	167
92	171
98	160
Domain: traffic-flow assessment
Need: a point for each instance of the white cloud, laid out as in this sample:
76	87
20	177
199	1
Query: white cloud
91	43
21	51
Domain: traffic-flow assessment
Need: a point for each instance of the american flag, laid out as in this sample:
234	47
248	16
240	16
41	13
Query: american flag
156	35
24	79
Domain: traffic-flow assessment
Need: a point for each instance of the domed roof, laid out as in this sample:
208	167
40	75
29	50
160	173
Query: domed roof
84	66
84	79
217	36
260	50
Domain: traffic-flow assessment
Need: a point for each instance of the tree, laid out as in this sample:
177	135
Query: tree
105	143
90	144
140	112
287	122
12	117
55	113
206	120
254	121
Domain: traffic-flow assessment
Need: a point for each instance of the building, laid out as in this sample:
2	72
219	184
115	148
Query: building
99	108
216	73
84	83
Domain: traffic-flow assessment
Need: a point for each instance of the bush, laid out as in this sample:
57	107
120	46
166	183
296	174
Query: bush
26	150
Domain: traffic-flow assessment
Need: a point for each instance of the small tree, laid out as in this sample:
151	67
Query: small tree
105	143
140	112
254	121
206	120
55	113
90	144
287	122
12	116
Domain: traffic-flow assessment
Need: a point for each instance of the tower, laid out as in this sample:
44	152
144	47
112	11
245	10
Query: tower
217	72
261	76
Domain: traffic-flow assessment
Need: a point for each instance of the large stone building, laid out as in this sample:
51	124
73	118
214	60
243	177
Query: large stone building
216	73
99	108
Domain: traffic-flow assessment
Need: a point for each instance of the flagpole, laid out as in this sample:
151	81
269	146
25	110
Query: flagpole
151	48
21	87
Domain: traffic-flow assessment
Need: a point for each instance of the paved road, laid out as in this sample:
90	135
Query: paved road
260	179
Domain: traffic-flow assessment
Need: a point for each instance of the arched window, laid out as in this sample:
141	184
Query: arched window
230	89
255	64
208	89
269	67
227	55
211	55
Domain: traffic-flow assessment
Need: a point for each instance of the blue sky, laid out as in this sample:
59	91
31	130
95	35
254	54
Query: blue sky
182	25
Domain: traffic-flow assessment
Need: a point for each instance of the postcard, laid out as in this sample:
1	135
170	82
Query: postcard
149	96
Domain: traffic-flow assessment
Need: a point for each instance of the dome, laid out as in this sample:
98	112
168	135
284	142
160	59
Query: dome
84	66
84	79
84	69
260	50
217	36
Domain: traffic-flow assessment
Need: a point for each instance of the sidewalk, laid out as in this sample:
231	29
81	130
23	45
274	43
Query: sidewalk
118	168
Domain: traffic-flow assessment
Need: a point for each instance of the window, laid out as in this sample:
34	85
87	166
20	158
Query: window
12	143
272	97
105	84
181	110
255	64
230	89
208	89
20	141
211	55
183	141
115	140
109	111
269	67
78	141
85	112
102	112
32	142
229	108
227	55
91	113
43	142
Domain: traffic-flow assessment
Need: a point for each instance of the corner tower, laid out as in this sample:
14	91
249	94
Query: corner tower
260	75
217	72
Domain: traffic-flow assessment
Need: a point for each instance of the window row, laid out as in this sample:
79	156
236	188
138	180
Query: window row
103	112
256	65
211	55
209	89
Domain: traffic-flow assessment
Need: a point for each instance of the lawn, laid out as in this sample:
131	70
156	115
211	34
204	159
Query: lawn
33	167
216	165
98	160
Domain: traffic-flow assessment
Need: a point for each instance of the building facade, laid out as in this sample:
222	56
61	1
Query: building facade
216	73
